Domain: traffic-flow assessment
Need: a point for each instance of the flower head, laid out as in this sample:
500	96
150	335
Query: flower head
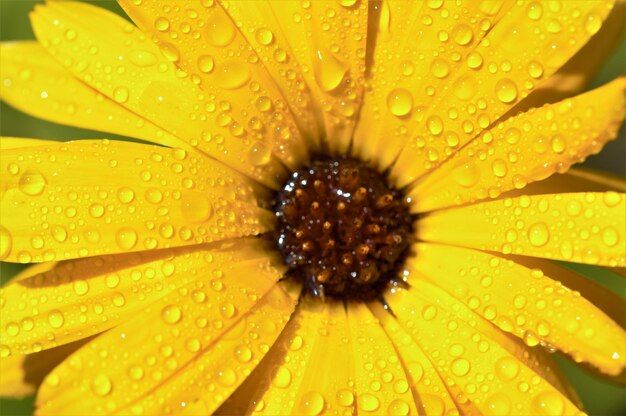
349	206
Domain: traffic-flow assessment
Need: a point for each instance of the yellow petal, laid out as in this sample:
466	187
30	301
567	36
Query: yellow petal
163	341
579	179
524	302
380	379
581	69
208	381
525	149
205	43
409	72
328	40
84	297
21	375
7	143
36	84
466	351
578	227
310	369
525	47
92	43
433	396
86	198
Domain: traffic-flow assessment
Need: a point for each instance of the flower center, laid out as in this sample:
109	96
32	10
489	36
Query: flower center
342	230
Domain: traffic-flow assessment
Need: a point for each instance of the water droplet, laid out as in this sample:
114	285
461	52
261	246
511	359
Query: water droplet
227	310
142	58
126	238
196	207
610	236
96	210
55	319
538	234
465	87
534	11
243	354
507	368
136	372
6	243
259	154
171	314
440	68
329	71
233	74
593	22
101	385
474	60
227	377
345	397
548	403
499	168
264	36
466	175
460	367
162	24
311	404
506	90
125	195
206	63
81	287
32	182
368	402
398	407
400	102
462	34
220	31
535	69
120	94
282	379
435	125
498	404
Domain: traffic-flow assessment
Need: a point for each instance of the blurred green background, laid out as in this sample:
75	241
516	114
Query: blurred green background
600	397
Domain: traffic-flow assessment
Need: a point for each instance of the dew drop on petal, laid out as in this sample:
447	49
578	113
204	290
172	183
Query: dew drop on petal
329	71
126	238
32	182
264	36
311	404
538	234
233	75
220	31
506	90
548	403
171	314
206	63
56	319
259	154
282	379
400	102
196	208
101	385
460	367
6	242
121	94
368	402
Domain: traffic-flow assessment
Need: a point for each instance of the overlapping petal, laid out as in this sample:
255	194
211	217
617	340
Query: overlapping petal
580	227
202	40
57	205
33	82
525	149
525	47
524	302
474	358
117	371
112	56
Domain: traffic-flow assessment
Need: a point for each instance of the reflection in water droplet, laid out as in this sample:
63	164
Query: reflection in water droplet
259	154
233	74
101	385
171	314
506	90
220	31
196	208
538	234
126	238
55	319
311	404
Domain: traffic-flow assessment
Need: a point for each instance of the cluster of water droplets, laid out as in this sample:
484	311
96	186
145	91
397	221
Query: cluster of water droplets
153	198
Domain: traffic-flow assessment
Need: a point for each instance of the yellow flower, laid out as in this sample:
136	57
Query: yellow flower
154	293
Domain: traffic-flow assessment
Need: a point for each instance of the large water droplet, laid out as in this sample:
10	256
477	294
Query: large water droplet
400	102
329	71
101	385
259	154
506	90
220	31
368	402
56	319
32	182
126	238
196	208
538	234
171	314
233	74
311	404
